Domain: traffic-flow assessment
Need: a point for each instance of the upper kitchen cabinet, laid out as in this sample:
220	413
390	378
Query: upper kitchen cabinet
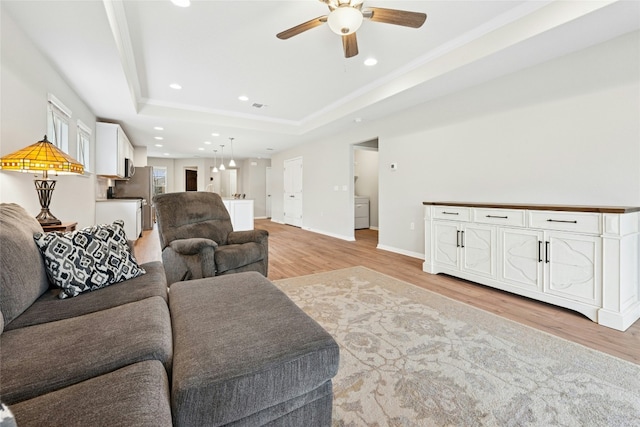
112	148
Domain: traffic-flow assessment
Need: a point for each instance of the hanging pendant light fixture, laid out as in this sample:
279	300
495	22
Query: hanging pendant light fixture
215	161
222	158
232	163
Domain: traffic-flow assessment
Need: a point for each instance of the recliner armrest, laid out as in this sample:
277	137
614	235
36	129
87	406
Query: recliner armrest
191	246
239	237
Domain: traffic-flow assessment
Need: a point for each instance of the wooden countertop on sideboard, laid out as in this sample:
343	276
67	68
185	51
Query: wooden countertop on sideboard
570	208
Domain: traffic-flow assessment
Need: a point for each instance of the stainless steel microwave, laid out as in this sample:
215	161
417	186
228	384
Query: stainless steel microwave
129	169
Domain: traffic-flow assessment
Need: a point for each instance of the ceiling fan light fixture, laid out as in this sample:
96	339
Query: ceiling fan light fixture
345	20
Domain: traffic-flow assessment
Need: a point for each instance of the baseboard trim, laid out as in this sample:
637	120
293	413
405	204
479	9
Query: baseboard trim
401	251
337	236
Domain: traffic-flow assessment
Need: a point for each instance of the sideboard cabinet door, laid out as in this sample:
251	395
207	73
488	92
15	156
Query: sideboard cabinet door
573	267
521	258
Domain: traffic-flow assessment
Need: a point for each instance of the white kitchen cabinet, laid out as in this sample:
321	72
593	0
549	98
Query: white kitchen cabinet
241	213
581	258
128	210
112	147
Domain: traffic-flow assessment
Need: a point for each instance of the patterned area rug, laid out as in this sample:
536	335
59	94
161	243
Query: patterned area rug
410	357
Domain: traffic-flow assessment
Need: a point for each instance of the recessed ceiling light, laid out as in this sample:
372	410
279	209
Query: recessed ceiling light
166	154
201	148
159	138
357	119
370	62
243	98
182	3
175	86
215	134
208	142
158	145
158	128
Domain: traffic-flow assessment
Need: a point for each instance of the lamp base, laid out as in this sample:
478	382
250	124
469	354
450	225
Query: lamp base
44	188
46	218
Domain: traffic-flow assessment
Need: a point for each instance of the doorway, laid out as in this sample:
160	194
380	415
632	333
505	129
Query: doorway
293	192
365	187
190	180
267	181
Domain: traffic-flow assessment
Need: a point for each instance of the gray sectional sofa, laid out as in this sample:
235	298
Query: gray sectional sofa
228	350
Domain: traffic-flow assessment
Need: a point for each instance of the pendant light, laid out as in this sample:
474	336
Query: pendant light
232	163
215	161
222	158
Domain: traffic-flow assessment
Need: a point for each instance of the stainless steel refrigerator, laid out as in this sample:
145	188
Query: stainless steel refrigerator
139	186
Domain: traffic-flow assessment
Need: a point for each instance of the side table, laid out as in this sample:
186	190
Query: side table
65	226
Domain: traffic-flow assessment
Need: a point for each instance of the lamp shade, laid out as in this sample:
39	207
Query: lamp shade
42	156
345	20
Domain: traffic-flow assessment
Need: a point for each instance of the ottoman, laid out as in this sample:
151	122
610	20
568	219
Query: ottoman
245	354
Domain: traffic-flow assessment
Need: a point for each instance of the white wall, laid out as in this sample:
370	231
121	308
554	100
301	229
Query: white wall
563	132
254	184
26	79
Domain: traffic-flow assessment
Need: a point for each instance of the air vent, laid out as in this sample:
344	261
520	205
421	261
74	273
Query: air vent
258	105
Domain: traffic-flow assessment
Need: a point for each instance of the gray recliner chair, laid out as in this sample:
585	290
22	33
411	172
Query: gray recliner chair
197	238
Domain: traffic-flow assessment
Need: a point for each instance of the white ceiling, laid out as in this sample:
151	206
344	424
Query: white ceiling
121	56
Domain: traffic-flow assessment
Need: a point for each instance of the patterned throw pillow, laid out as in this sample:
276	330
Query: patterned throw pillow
87	259
6	417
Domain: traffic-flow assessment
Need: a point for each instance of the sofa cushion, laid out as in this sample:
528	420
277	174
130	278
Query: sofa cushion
22	274
49	308
88	259
230	257
136	395
241	346
43	358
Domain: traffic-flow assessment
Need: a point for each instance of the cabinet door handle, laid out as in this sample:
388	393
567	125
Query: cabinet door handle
457	238
497	216
462	239
450	213
539	250
547	252
562	220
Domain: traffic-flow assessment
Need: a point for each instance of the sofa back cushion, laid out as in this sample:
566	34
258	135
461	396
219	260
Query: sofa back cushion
22	274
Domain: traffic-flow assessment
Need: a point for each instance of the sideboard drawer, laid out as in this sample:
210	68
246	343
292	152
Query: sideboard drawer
577	222
510	217
453	213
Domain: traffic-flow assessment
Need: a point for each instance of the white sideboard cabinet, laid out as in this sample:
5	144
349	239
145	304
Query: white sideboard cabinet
584	258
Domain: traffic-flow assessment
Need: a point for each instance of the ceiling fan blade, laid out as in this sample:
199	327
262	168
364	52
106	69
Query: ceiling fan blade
294	31
350	45
395	17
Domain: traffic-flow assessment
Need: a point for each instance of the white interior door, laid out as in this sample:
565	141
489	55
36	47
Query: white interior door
293	191
267	181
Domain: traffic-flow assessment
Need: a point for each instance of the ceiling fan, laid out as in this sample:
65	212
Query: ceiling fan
346	16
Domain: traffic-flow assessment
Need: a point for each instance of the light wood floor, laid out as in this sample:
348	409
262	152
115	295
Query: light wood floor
295	252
